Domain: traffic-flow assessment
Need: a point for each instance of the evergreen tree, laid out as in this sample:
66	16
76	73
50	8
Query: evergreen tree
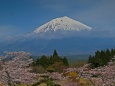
108	52
55	57
101	58
65	61
97	54
51	60
44	61
55	54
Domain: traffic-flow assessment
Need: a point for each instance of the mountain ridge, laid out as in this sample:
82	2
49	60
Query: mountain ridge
63	23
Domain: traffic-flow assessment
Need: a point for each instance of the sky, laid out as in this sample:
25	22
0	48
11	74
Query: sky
19	17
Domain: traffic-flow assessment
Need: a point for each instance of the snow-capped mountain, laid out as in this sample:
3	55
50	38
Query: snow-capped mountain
64	24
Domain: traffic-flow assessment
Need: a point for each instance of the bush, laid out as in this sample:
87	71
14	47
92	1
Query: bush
38	69
36	84
46	82
58	66
23	85
50	69
51	83
43	84
84	82
72	75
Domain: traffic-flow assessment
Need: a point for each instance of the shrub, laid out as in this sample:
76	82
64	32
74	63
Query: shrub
57	66
84	82
43	84
72	75
46	82
50	69
50	82
23	85
38	69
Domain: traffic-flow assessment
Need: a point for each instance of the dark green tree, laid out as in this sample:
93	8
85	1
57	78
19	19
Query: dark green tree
44	61
65	61
101	58
55	54
55	57
97	54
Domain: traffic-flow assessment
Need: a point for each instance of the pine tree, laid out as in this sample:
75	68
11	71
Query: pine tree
101	58
55	54
97	54
55	57
65	61
44	61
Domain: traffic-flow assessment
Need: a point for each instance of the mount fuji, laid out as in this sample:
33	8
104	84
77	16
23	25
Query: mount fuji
60	28
62	24
64	34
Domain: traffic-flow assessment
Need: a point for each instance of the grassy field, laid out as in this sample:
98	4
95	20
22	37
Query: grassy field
77	60
77	63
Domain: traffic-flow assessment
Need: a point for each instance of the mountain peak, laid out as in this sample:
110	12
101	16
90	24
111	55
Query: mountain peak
62	24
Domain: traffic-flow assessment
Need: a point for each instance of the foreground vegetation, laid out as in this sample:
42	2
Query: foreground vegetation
56	71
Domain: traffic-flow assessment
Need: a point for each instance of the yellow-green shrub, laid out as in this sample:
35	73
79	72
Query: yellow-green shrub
23	85
84	82
43	84
72	74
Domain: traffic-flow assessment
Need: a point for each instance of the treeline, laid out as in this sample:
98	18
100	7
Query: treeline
101	58
52	63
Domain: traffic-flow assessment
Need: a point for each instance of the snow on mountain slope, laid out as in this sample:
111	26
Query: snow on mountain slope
63	24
